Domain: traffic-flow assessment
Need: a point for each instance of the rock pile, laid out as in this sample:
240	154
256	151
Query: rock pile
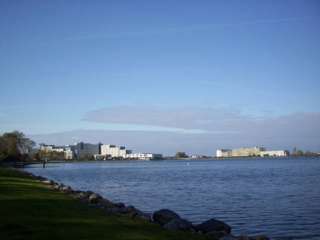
213	229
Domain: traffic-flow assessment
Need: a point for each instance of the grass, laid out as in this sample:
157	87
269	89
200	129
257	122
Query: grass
31	210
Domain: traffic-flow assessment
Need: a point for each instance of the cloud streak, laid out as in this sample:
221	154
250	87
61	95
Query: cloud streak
221	128
209	120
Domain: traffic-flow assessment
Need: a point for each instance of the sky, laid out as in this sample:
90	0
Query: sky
162	76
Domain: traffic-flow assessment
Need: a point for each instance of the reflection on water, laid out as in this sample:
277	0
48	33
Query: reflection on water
277	197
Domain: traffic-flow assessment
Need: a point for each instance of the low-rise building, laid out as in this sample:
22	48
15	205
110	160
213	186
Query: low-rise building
114	151
250	152
224	153
68	154
63	150
274	153
51	148
144	156
247	152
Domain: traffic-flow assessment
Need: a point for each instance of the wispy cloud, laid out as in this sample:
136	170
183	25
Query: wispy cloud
187	119
208	120
159	129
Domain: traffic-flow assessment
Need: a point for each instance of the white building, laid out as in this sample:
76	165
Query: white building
144	156
114	151
223	153
274	153
66	150
250	152
68	154
50	148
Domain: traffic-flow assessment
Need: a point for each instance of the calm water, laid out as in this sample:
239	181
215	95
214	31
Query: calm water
276	197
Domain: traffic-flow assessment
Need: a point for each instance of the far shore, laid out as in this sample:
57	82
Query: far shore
19	164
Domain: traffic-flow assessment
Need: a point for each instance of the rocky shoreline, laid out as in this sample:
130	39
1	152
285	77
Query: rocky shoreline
213	229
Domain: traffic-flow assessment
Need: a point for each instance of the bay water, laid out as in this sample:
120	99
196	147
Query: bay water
278	197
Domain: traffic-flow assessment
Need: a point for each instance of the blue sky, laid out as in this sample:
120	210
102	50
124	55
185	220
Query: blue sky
61	61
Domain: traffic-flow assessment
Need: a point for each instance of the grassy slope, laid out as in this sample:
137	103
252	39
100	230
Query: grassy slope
30	210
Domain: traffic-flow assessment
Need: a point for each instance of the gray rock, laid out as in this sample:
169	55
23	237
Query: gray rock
105	203
134	213
229	237
143	216
81	195
66	189
94	198
164	216
216	235
178	224
47	182
40	178
116	210
119	205
213	225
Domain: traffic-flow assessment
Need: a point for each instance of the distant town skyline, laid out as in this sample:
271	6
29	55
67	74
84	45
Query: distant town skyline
162	76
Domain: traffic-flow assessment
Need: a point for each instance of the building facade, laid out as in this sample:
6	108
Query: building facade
86	150
247	152
274	153
250	152
144	156
65	150
223	153
114	151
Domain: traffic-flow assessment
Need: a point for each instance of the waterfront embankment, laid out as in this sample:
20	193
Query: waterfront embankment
33	207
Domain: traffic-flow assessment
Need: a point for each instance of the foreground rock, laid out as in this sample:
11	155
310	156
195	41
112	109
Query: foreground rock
94	198
213	225
179	224
164	216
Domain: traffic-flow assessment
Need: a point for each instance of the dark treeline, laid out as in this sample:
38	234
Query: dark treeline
15	146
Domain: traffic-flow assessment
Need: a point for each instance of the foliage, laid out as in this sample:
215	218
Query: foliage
15	146
181	155
49	155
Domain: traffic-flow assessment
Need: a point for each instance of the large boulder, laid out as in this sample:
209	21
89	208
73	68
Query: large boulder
66	189
213	225
94	198
143	216
178	224
164	216
116	210
119	205
218	235
105	203
49	182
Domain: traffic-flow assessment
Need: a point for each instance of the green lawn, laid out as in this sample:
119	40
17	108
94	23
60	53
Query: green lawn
31	210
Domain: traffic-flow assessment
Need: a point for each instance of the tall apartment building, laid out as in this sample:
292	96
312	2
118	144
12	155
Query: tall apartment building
113	151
